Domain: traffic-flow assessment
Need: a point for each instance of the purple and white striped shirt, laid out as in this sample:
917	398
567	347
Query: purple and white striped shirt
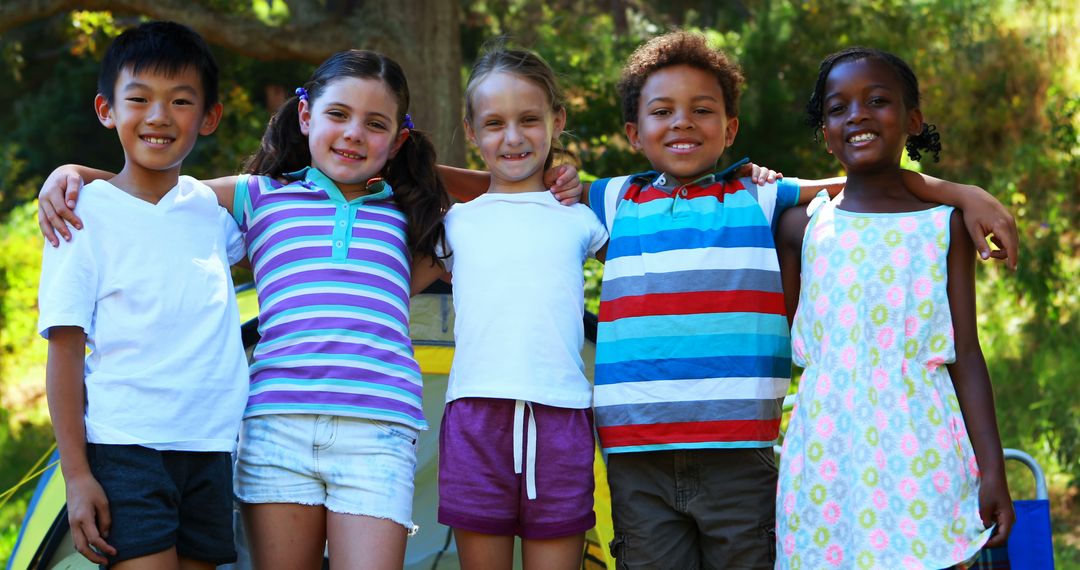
333	283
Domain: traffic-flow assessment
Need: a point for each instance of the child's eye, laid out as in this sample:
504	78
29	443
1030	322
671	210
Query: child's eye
835	109
377	125
878	101
136	99
660	112
183	102
703	110
336	114
492	124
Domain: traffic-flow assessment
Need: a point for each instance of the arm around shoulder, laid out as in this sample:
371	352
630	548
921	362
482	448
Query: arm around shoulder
789	241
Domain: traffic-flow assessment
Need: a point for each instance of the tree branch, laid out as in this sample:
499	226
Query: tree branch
310	38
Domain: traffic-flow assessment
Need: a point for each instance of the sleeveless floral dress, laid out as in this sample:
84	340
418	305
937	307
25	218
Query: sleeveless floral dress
877	470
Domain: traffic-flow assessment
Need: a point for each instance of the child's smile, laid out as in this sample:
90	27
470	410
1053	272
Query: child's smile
682	126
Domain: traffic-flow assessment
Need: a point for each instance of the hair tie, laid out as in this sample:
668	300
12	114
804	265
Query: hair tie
301	93
408	124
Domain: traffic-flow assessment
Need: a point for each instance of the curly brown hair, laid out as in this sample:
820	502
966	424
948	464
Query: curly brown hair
677	48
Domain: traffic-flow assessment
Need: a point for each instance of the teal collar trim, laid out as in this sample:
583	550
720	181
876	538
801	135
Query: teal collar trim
310	176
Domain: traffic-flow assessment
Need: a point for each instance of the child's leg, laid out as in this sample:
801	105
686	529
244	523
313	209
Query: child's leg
478	551
553	553
358	541
284	535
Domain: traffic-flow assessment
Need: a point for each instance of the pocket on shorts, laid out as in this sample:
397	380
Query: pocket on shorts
399	431
769	532
617	546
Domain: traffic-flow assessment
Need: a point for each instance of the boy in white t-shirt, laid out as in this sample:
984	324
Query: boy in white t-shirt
146	422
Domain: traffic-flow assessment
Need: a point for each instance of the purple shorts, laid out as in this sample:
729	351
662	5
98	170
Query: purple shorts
541	487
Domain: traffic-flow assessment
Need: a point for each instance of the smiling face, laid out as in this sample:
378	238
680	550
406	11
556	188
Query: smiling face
158	117
682	127
866	119
352	131
513	126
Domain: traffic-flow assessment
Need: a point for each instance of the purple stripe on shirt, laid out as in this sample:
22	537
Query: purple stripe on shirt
334	398
316	373
333	347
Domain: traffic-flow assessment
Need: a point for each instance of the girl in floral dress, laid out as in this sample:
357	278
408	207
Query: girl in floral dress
892	458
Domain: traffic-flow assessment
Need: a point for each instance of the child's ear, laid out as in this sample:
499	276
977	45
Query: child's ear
469	132
211	119
560	122
304	113
825	136
632	135
402	136
731	130
915	122
104	111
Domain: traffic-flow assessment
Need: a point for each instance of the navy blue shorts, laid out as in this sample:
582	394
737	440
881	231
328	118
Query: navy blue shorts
162	499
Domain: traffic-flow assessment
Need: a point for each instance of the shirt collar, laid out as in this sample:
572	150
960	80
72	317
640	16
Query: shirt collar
309	176
669	183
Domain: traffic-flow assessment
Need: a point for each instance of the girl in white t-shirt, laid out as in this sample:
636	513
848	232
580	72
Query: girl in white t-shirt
516	448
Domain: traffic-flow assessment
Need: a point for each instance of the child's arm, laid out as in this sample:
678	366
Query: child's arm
87	506
984	216
425	271
465	184
60	192
789	238
973	389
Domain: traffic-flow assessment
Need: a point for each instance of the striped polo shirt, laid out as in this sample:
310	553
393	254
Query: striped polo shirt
333	283
692	347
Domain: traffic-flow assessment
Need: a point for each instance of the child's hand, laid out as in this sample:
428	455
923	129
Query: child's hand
56	203
996	507
88	515
759	175
564	183
988	218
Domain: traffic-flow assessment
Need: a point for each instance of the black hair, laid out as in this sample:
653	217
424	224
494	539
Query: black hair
527	65
418	191
928	138
671	49
162	46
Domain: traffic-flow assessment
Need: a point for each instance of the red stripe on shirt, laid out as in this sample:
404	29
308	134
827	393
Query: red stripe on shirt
689	432
649	193
694	303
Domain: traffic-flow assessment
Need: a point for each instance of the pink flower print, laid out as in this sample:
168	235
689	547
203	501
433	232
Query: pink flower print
907	224
941	437
912	563
909	445
879	458
881	419
789	545
821	306
901	257
847	276
956	426
895	296
847	316
880	377
909	487
922	287
936	399
831	512
879	540
939	219
849	239
828	470
959	551
824	385
825	427
885	338
941	482
789	503
903	367
911	326
834	555
973	467
849	400
798	347
934	362
880	500
847	357
907	527
796	465
821	265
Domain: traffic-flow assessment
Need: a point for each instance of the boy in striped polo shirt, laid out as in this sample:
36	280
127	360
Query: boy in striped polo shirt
693	357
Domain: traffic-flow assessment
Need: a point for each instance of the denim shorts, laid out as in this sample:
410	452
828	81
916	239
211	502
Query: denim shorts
161	499
351	466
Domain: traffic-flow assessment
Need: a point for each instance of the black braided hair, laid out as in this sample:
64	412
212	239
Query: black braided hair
928	140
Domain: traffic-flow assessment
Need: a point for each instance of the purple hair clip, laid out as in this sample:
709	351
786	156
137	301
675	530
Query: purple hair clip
301	93
408	124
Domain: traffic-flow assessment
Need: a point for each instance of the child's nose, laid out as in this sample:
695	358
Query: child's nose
354	132
682	121
513	134
158	114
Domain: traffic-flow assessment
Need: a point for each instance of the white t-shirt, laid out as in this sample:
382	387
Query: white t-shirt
519	297
150	285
